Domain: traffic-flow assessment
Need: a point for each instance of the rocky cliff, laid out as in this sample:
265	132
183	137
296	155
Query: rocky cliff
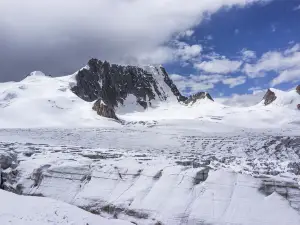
113	83
269	97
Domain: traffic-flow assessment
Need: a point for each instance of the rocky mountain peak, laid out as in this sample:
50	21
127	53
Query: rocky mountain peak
114	83
269	97
200	95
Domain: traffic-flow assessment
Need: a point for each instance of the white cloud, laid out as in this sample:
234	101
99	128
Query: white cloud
234	81
273	28
244	100
292	75
292	50
236	31
276	61
116	30
255	89
248	55
184	34
223	66
186	52
193	84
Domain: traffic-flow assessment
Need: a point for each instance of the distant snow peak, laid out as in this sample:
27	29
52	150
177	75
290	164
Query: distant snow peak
198	96
290	99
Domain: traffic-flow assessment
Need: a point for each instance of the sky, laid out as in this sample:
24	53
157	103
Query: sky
229	48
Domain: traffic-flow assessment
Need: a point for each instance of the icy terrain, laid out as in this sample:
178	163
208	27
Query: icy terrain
158	176
20	210
204	163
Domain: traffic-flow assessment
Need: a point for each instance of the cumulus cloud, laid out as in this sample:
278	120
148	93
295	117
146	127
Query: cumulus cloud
244	100
219	66
248	55
60	36
276	61
234	81
192	84
292	75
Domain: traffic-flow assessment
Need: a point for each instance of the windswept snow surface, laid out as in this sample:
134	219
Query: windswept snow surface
26	210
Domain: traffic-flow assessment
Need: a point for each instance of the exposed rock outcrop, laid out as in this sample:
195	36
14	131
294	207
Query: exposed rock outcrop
113	83
104	110
200	95
298	89
269	97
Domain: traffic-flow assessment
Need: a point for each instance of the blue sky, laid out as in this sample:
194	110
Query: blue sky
260	28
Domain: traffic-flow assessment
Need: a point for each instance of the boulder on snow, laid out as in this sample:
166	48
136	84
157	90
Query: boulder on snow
269	97
104	110
200	95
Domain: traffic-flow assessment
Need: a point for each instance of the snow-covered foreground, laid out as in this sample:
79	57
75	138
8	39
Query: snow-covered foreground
159	175
25	210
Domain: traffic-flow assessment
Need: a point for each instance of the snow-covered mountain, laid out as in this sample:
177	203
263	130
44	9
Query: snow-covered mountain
132	95
277	97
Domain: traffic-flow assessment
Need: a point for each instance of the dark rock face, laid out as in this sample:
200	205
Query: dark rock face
173	87
269	97
113	83
104	110
200	95
298	89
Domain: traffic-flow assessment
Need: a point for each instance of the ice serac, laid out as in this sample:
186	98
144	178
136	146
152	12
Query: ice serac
200	95
269	97
113	83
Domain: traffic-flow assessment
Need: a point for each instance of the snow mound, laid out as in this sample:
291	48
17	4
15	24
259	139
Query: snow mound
26	210
43	101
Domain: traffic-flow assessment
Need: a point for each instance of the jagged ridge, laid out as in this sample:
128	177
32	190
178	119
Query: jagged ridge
111	85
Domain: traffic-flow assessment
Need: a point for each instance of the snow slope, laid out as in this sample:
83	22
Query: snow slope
288	99
43	101
27	210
